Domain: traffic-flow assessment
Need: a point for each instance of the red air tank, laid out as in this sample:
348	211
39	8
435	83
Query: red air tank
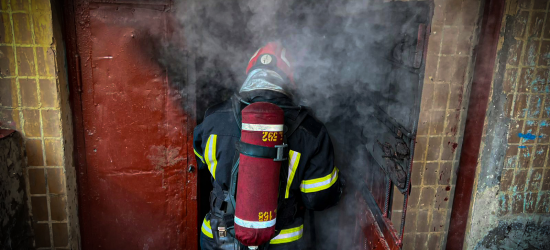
258	182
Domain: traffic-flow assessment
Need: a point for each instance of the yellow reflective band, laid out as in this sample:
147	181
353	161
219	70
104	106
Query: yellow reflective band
210	154
315	185
206	229
198	155
288	235
294	159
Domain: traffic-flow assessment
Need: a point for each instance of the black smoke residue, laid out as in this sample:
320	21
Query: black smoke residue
351	58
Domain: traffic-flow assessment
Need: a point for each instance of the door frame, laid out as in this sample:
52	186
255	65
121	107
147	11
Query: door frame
486	53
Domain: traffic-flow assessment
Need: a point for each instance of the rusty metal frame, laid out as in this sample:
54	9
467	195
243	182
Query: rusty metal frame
477	107
387	230
74	75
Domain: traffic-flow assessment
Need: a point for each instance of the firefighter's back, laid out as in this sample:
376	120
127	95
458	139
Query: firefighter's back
309	180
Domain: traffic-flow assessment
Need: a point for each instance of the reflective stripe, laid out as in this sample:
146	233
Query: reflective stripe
198	155
288	235
254	55
263	127
206	229
210	154
255	224
319	184
292	166
283	53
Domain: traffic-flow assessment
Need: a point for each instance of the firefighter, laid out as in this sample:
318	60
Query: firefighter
309	180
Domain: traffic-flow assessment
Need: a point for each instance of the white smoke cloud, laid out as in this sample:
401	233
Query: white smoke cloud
345	57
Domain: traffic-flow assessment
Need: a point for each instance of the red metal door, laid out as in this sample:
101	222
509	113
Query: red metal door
134	133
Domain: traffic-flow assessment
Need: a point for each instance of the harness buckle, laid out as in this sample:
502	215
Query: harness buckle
281	152
222	232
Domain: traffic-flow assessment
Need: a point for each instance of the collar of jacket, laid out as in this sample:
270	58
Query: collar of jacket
274	97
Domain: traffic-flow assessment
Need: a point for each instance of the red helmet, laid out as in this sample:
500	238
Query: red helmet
272	56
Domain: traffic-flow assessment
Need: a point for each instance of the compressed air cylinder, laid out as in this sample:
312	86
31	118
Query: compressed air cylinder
258	182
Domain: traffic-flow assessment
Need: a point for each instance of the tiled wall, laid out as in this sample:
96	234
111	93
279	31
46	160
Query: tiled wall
449	66
30	101
525	182
519	109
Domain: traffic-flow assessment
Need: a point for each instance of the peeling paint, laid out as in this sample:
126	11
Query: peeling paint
527	136
531	54
162	156
511	161
484	219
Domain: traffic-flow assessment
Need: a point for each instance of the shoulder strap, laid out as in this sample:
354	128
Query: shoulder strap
299	119
237	107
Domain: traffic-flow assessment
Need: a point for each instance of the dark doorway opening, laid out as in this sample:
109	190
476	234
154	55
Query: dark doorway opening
360	68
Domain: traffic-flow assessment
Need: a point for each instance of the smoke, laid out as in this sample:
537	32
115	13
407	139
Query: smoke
350	58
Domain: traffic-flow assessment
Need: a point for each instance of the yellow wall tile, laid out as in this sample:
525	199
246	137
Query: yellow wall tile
9	119
40	6
8	93
22	28
56	181
54	152
7	61
25	61
19	5
46	61
5	29
29	93
5	5
31	105
31	123
51	123
48	93
34	152
43	32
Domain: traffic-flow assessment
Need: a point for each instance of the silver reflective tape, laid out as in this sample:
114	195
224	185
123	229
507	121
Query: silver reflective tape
255	224
320	184
283	56
263	127
210	155
291	164
283	235
206	227
254	55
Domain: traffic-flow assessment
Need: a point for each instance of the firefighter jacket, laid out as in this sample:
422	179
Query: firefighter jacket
309	180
